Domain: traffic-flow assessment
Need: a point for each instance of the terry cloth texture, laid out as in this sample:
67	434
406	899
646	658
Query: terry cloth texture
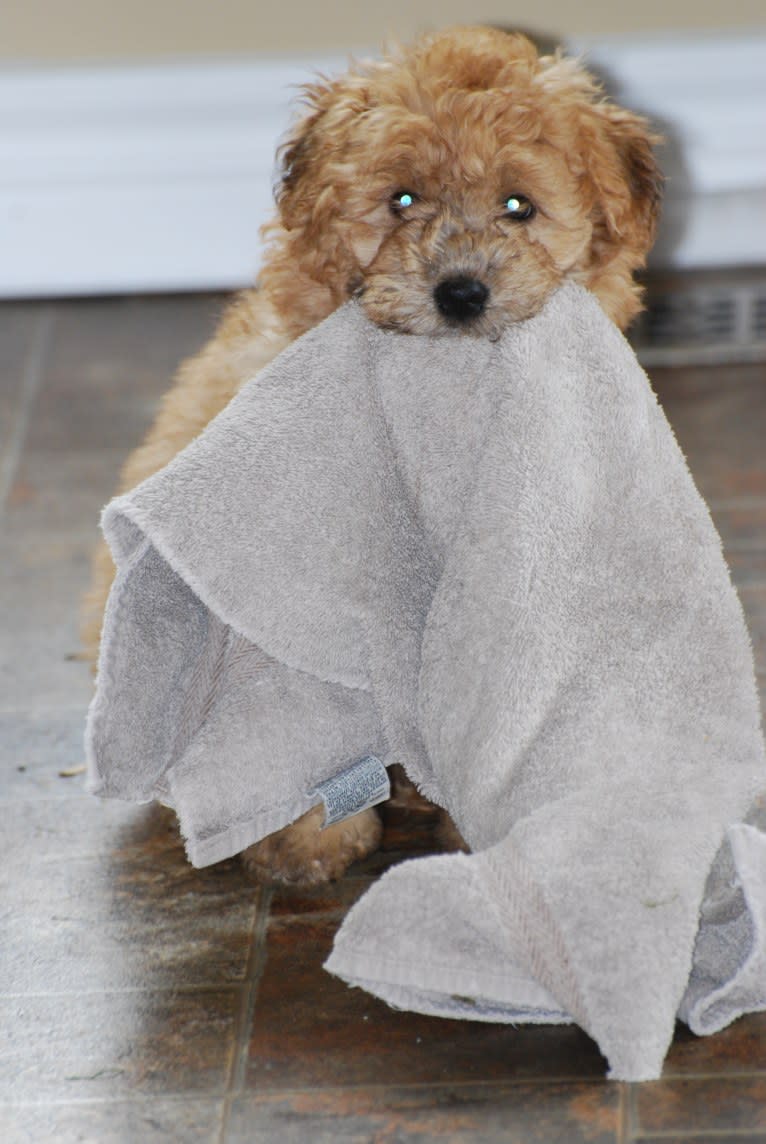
487	562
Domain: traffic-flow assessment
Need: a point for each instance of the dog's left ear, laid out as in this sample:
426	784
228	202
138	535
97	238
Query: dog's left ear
619	152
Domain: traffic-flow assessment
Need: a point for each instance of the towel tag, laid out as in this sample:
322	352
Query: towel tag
362	785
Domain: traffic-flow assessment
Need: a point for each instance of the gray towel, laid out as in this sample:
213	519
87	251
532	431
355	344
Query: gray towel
487	562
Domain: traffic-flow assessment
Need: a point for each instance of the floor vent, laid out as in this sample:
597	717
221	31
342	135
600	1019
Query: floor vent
687	322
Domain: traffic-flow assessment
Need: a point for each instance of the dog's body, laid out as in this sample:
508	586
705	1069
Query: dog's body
450	187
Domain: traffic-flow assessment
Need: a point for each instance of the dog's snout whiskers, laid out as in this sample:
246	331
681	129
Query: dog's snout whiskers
461	299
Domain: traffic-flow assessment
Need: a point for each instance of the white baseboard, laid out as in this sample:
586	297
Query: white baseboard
158	177
148	178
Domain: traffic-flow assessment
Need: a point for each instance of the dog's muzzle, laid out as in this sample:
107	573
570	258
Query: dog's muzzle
461	299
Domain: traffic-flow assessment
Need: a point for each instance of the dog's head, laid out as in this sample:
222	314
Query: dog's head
454	185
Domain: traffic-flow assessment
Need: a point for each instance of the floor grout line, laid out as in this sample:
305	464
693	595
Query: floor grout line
31	380
137	1099
127	990
565	1080
722	1135
255	965
141	1098
747	500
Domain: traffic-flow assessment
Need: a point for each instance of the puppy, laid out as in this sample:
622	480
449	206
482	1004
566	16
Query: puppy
450	187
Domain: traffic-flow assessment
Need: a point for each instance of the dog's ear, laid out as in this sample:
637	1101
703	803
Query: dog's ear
618	149
314	144
294	155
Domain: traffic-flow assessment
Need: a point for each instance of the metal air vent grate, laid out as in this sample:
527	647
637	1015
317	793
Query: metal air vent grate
759	317
702	323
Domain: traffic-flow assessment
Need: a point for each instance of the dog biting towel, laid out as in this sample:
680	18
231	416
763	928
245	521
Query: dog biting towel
486	561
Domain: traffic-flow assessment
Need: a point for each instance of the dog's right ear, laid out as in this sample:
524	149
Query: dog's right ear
314	145
294	155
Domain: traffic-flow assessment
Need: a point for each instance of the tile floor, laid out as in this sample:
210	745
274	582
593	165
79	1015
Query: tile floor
142	1000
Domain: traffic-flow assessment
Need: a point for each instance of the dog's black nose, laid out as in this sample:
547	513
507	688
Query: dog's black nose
461	298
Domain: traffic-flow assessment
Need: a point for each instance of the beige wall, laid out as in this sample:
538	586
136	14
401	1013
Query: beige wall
70	30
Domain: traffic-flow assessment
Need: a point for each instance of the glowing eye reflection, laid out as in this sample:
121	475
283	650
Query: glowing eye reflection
402	199
519	207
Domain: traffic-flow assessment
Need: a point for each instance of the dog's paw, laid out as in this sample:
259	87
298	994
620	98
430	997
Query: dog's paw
303	854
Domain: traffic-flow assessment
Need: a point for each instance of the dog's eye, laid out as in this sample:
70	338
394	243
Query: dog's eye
518	207
401	200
